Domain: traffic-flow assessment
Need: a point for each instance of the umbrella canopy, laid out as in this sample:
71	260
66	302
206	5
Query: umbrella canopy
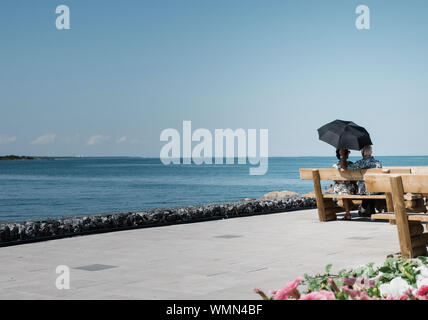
344	135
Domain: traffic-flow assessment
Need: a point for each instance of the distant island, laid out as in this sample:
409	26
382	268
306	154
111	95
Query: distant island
14	157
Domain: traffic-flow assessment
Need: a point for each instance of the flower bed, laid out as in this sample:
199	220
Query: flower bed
396	279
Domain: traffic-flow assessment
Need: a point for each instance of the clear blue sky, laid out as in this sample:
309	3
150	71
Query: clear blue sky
128	69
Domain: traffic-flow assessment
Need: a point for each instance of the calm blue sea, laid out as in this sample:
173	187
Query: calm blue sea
77	186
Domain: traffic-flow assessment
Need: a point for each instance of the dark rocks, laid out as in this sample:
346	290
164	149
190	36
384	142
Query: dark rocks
5	233
12	233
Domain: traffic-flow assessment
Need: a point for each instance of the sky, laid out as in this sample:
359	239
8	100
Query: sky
126	70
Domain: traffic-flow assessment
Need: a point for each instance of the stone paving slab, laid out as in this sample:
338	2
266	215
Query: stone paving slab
222	259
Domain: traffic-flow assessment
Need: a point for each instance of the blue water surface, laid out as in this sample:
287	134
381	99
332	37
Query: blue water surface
77	186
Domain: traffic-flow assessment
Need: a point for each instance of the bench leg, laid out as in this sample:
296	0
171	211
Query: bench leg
418	238
389	202
389	206
401	217
331	209
413	241
318	196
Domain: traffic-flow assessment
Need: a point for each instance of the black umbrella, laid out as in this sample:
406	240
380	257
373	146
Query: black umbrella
344	135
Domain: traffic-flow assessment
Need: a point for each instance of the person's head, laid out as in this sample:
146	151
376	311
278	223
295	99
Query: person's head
366	151
342	153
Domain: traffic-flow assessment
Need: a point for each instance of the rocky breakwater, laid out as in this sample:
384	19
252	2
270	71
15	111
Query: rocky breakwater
15	233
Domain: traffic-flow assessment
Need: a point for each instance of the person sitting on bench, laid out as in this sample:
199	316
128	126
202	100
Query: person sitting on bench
367	207
344	187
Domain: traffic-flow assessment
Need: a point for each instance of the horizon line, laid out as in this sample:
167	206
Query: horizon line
154	157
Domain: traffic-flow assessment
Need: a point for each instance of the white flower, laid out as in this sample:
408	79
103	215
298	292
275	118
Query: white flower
421	282
424	272
395	288
422	277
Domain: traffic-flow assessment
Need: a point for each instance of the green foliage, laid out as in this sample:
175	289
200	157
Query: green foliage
374	291
342	295
392	268
320	281
399	267
424	260
344	273
363	282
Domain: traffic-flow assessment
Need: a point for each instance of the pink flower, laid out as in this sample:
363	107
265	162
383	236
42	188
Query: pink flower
351	292
349	281
290	290
364	296
319	295
423	292
363	283
356	294
408	295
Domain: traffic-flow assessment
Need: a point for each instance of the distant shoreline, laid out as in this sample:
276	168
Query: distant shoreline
14	157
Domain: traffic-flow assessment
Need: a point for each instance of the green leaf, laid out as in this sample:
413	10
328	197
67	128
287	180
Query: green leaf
339	282
424	260
373	291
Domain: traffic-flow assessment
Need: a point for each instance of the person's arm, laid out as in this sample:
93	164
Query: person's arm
343	163
354	166
343	166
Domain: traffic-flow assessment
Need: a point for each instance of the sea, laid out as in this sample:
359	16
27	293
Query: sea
76	186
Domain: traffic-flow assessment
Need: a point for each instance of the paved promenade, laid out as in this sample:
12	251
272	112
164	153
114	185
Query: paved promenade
223	259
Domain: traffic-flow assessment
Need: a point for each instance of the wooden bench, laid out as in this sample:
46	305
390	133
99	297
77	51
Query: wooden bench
413	240
327	208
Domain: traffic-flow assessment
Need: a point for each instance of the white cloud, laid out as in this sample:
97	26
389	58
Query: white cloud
7	139
120	140
96	139
45	139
